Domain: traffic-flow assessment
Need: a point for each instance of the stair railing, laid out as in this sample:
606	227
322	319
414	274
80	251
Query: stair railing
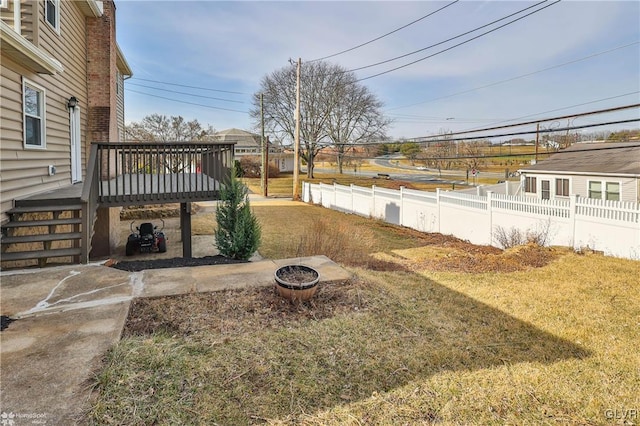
89	199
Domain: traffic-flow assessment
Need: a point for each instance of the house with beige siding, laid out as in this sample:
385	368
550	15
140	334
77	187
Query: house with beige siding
62	76
605	171
64	172
61	73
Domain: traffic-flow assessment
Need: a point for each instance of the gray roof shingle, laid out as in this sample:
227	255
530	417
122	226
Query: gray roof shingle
598	158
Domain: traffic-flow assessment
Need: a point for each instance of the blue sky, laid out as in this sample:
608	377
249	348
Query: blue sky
230	46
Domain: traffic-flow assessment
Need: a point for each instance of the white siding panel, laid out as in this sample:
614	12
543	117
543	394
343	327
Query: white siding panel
580	186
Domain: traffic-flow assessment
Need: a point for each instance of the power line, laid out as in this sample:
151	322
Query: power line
582	114
559	129
428	119
447	138
190	87
447	40
457	45
500	155
519	76
385	35
185	93
560	109
189	103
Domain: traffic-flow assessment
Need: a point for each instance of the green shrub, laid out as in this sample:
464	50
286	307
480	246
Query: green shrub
238	232
237	169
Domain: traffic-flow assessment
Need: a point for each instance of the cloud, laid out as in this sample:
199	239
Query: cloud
231	45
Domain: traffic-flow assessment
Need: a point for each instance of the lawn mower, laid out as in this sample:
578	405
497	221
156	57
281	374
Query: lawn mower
146	239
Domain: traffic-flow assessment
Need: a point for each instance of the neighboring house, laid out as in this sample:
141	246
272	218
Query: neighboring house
62	89
250	144
246	143
284	161
608	171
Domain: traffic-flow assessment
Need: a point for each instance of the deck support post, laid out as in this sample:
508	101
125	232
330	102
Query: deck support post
105	232
185	229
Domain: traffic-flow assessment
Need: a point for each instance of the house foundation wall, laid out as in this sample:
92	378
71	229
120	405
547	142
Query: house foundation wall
106	237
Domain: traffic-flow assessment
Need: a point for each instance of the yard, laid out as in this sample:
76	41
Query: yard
431	329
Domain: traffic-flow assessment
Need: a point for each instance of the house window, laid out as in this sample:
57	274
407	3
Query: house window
530	185
52	13
612	191
562	187
33	115
545	191
4	4
595	190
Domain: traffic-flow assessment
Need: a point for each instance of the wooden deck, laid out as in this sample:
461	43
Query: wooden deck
130	189
135	189
59	196
125	174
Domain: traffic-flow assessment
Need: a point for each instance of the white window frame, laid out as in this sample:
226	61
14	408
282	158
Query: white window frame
4	4
43	114
545	194
56	17
589	182
605	193
568	186
531	186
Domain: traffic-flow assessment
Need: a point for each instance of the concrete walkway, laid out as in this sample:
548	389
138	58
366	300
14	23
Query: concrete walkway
68	317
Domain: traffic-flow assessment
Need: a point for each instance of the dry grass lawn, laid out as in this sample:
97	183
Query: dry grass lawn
282	186
431	330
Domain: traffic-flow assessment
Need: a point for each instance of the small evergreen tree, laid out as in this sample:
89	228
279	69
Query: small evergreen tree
237	169
238	232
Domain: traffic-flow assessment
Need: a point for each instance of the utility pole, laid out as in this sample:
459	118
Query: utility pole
265	148
296	146
537	140
266	175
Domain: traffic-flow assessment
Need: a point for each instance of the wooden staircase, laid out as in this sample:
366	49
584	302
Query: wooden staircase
40	230
59	224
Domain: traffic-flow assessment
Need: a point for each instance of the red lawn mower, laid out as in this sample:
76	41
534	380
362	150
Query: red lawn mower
146	239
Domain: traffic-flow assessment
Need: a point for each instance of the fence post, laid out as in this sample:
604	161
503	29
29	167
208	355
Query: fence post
490	213
401	205
573	206
372	213
438	210
351	187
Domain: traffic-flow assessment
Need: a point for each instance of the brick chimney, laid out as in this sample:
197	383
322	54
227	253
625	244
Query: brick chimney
102	75
102	114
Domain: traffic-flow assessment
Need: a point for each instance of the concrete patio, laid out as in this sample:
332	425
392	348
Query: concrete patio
67	317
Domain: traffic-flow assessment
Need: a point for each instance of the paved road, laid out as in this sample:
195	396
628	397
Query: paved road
392	162
413	174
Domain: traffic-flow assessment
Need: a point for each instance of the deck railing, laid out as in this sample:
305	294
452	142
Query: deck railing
89	200
161	172
122	174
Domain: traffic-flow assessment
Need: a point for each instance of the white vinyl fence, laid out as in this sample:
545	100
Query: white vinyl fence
609	226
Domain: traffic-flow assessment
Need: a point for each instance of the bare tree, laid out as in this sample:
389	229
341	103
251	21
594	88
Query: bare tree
160	128
439	155
472	150
334	109
355	117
